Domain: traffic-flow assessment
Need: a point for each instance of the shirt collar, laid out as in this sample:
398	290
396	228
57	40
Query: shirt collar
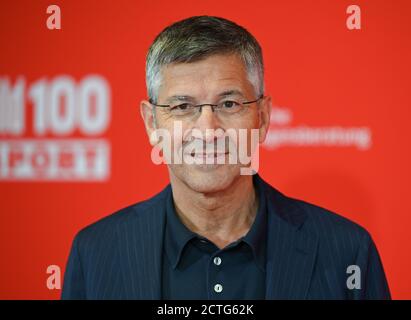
177	235
257	235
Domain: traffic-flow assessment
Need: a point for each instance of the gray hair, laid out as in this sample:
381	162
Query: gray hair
198	37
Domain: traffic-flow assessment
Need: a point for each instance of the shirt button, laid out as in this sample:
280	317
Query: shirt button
218	288
217	261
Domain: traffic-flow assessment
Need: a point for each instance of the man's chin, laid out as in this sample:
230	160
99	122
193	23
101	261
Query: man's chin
208	178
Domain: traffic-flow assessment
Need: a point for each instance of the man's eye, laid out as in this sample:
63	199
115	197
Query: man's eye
181	107
230	104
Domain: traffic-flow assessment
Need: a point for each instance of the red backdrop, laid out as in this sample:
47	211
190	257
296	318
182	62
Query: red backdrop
339	135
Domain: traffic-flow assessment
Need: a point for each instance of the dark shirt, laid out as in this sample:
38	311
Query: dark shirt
195	268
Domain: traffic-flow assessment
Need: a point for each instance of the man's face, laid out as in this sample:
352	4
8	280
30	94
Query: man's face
212	80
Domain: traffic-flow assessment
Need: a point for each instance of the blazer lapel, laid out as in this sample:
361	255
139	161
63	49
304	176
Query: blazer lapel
291	252
140	249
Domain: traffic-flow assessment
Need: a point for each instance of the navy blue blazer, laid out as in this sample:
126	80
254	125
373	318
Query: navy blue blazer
309	251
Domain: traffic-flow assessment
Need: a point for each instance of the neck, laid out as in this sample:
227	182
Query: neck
222	217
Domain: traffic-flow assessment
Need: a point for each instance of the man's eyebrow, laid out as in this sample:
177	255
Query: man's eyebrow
187	98
233	92
176	98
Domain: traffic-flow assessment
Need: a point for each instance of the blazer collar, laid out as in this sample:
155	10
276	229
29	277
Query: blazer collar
291	250
141	246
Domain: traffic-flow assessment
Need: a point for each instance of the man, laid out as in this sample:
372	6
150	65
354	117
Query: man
217	232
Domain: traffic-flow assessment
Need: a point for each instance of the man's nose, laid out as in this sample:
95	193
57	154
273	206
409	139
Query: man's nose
207	119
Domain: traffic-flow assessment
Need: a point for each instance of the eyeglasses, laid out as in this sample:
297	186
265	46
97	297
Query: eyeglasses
188	110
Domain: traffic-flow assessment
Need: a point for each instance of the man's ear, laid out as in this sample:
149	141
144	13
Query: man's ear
146	111
264	117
